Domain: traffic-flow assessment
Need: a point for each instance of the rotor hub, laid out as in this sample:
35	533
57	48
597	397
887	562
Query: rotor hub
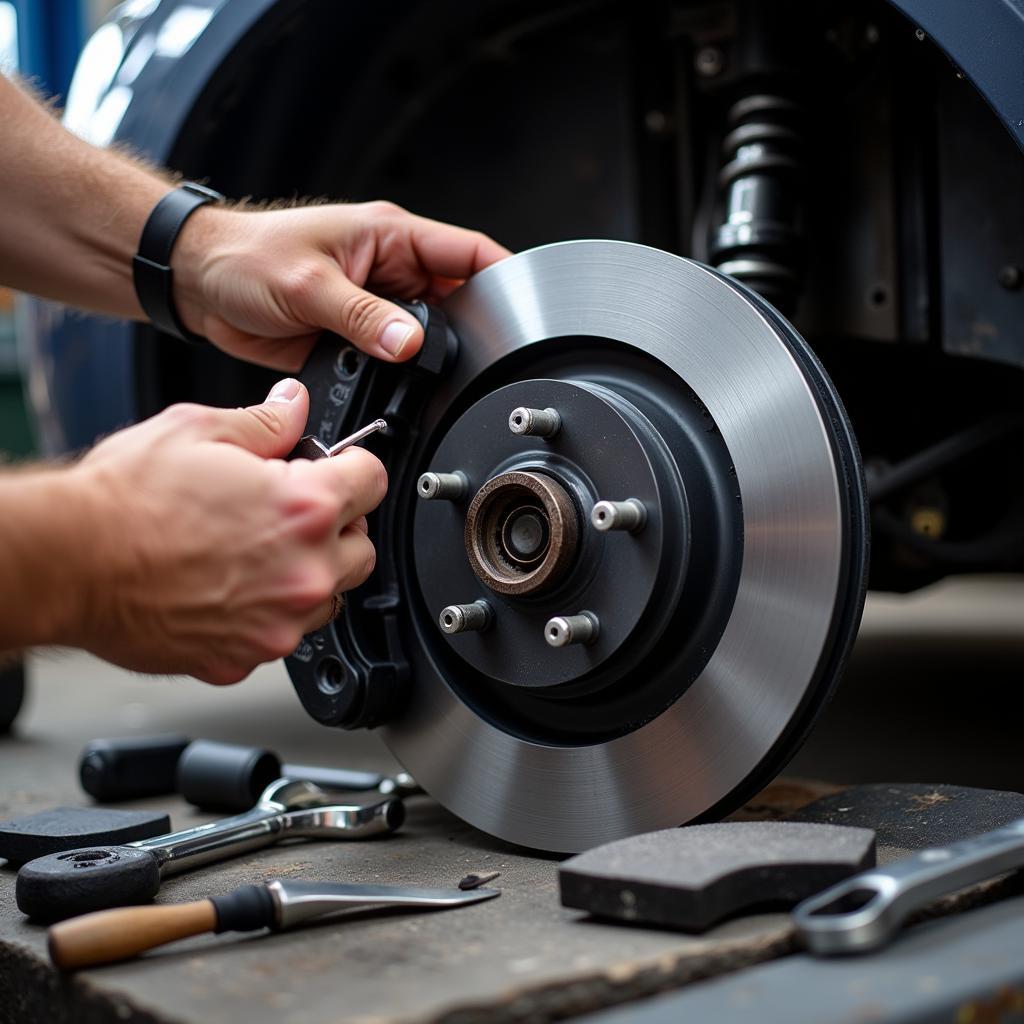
523	537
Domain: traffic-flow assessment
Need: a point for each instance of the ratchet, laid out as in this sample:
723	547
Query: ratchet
866	910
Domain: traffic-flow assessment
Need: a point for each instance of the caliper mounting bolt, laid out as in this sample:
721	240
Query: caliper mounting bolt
443	486
563	630
629	515
536	422
464	618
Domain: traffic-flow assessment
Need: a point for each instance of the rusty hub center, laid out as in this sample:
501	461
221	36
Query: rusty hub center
521	533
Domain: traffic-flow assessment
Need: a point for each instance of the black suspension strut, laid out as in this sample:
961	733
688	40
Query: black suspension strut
760	239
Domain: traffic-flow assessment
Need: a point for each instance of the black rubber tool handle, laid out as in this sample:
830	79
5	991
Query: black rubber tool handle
343	780
130	767
211	775
80	881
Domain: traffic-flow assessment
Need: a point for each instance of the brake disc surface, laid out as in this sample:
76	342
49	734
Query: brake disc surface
724	621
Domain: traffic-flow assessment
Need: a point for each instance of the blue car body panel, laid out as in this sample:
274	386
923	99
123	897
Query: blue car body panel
82	368
985	39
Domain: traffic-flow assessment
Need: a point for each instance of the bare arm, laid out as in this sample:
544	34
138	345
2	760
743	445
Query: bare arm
259	284
71	214
42	569
185	544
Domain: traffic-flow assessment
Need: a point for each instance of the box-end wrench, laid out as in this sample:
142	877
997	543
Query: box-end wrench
78	881
865	911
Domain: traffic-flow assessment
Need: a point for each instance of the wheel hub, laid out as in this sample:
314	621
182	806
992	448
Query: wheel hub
525	543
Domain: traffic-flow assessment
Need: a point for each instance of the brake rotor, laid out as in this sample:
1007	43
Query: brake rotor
715	627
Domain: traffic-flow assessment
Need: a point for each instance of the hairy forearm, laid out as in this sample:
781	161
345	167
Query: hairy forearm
47	544
71	213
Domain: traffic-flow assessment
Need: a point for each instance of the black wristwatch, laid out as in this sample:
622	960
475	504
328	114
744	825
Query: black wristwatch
151	267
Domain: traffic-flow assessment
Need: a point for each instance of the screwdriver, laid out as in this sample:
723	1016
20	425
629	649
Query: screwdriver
107	936
311	447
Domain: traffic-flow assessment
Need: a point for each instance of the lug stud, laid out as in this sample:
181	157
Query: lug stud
443	486
536	422
563	630
465	618
629	515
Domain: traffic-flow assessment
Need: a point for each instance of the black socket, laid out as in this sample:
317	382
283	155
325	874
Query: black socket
130	767
225	776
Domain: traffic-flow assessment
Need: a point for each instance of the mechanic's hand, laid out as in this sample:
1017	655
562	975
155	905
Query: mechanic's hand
212	555
261	285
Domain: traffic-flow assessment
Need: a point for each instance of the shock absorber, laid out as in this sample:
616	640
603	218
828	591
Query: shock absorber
759	242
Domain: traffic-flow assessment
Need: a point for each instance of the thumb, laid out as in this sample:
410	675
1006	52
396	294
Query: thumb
270	430
378	327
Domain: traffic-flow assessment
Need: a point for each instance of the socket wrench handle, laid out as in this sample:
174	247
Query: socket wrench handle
286	809
349	780
864	912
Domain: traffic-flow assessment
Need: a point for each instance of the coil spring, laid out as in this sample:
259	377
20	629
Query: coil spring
760	240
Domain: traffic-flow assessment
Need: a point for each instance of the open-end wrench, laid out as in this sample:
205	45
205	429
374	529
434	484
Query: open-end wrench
78	881
864	911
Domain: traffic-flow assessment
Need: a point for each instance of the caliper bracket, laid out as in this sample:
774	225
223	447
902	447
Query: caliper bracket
352	672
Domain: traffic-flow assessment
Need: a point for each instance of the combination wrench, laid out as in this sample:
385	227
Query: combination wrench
61	885
864	912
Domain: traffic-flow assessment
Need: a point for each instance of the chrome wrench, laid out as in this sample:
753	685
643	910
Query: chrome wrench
865	911
77	881
286	809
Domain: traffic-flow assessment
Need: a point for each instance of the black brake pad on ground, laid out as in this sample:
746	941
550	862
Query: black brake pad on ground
68	828
913	816
689	878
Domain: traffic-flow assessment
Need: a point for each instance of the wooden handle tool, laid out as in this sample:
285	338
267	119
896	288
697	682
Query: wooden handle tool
109	935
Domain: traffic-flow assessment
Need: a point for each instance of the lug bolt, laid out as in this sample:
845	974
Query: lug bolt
464	618
572	629
627	515
443	486
537	422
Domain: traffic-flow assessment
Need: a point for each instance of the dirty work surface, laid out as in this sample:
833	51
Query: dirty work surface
519	957
901	715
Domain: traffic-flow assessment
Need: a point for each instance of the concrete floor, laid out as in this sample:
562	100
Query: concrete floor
932	691
929	696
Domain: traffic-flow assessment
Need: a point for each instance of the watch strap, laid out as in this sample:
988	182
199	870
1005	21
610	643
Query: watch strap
151	271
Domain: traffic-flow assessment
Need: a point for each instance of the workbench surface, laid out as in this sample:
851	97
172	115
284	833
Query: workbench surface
521	957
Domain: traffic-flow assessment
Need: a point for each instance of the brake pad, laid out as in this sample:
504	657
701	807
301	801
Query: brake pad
68	828
690	878
912	815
